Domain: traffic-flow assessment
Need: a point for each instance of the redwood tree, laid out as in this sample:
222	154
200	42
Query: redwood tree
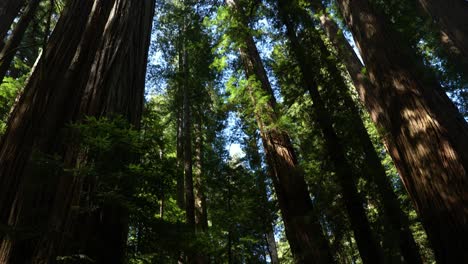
423	131
303	230
395	217
94	64
369	249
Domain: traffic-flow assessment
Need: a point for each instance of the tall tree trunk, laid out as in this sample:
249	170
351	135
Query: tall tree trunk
451	16
201	220
9	9
303	230
180	124
11	47
201	217
116	87
397	219
369	249
180	185
423	131
94	65
187	142
187	139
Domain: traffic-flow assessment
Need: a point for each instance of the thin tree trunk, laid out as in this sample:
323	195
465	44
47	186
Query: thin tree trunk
423	131
369	249
9	9
187	139
451	15
229	235
272	249
201	220
303	230
180	127
394	215
11	47
180	185
86	55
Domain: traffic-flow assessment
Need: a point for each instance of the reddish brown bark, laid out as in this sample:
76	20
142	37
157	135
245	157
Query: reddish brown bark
303	230
423	131
116	87
94	65
368	247
397	220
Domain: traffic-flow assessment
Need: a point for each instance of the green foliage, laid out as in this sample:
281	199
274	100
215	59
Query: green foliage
9	89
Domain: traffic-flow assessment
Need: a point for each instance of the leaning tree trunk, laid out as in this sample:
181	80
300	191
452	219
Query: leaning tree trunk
423	131
94	65
394	215
451	15
368	247
9	9
303	230
11	47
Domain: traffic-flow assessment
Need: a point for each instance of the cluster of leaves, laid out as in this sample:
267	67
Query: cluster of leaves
9	89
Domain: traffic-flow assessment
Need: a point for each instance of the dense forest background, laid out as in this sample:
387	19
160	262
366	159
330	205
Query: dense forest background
236	131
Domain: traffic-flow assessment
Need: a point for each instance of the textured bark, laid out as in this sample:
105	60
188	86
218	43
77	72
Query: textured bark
368	247
94	65
394	215
9	9
272	249
36	124
422	129
303	230
9	50
451	16
116	87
